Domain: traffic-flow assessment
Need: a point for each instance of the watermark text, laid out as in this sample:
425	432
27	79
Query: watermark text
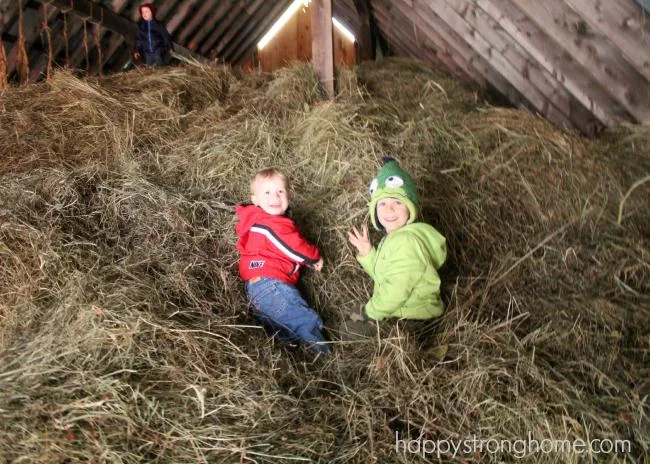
518	448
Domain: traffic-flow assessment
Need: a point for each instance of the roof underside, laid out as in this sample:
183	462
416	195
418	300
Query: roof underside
583	64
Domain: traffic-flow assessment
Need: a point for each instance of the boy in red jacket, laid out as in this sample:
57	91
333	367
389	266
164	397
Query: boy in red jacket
272	250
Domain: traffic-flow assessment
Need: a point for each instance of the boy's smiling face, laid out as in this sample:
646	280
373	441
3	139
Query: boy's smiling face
271	194
392	214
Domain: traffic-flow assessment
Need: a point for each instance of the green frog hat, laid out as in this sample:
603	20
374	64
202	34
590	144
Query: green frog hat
393	182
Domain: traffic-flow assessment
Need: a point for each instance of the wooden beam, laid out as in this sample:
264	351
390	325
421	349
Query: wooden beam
498	62
223	25
180	15
33	20
624	24
545	96
111	20
365	39
551	90
550	56
114	40
321	44
249	46
124	55
461	49
123	46
97	13
217	17
8	12
114	43
430	38
206	14
594	53
252	25
479	69
347	15
74	24
403	43
235	27
645	4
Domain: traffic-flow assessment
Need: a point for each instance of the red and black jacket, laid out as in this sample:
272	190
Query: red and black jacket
271	246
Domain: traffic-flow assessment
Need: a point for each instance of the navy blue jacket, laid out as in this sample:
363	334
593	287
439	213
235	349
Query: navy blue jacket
152	37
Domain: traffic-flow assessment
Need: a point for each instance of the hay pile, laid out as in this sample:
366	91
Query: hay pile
124	332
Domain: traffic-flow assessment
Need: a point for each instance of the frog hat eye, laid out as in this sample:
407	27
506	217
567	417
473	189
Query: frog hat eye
373	186
394	181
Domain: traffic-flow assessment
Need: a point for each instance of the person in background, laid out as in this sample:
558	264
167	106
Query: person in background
153	42
272	251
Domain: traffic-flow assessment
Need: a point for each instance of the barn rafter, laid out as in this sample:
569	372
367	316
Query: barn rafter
582	64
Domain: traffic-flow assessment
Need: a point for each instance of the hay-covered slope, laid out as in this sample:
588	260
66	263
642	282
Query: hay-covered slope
125	335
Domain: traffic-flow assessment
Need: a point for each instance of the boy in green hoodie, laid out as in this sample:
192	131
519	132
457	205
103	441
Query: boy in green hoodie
404	265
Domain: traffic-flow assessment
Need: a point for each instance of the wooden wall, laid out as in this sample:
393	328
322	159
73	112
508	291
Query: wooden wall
293	42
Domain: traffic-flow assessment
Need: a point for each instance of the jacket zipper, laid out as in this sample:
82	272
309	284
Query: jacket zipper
149	36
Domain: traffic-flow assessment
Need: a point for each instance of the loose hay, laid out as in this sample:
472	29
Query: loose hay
124	332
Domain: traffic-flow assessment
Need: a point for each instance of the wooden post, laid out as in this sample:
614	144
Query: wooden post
321	44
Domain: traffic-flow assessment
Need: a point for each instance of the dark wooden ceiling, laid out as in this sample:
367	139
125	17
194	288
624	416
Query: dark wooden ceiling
583	64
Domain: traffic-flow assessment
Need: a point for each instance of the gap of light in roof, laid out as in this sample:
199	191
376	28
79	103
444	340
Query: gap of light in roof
344	30
288	14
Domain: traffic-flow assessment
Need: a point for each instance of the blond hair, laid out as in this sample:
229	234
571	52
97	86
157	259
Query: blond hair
269	173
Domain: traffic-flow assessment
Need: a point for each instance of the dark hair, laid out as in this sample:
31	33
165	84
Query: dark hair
151	8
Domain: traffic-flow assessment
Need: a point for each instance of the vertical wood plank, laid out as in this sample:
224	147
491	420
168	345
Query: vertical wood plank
303	34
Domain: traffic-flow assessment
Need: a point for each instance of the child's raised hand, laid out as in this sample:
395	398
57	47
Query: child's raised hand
319	265
360	240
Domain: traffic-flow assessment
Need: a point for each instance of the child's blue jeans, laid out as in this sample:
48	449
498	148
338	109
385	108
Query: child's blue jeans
280	307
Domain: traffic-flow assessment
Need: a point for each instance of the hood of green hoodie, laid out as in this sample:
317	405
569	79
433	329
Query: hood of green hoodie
434	242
